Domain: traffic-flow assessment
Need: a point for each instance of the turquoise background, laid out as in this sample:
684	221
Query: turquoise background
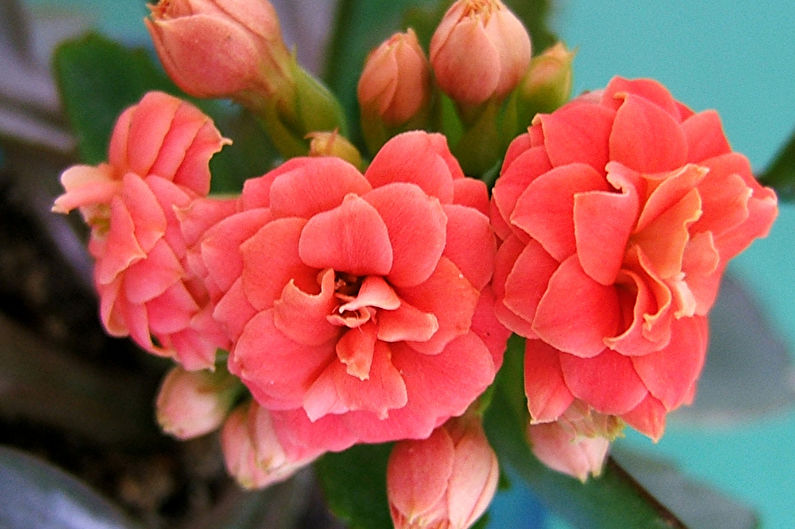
737	57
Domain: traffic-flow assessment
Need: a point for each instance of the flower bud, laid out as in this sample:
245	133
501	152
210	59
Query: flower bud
253	454
212	48
193	403
577	443
333	144
395	84
446	480
479	51
547	84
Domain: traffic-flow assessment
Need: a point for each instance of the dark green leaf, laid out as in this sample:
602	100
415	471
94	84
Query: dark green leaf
613	501
697	505
36	494
781	173
97	79
748	371
354	482
536	16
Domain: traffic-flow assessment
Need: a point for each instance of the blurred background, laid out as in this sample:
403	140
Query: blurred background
84	402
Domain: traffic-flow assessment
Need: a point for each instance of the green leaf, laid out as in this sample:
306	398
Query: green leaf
97	79
736	386
354	482
781	172
36	494
612	501
698	506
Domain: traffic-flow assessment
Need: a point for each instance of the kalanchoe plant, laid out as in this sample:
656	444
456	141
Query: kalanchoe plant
362	301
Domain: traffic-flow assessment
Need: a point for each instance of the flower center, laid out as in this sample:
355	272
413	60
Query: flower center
359	297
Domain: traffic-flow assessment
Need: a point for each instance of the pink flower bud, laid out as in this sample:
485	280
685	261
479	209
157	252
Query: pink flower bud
446	480
577	443
193	403
216	48
479	51
396	81
253	453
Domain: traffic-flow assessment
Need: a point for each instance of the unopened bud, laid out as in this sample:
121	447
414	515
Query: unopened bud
333	144
547	84
479	51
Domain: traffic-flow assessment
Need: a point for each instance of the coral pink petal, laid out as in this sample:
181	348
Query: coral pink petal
257	191
86	185
669	189
152	275
417	474
607	382
669	373
137	320
356	349
374	292
527	281
724	198
515	178
603	222
271	259
194	171
201	214
121	239
109	312
221	246
318	184
702	267
414	157
648	418
488	328
705	137
546	391
646	138
172	311
636	301
148	128
672	226
578	133
518	146
648	89
233	310
277	370
504	263
471	193
450	297
576	313
416	225
350	238
301	438
470	243
302	316
545	209
406	323
145	209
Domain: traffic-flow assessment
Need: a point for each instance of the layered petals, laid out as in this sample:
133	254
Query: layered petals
616	215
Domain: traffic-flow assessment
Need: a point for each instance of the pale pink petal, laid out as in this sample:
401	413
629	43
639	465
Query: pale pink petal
474	479
302	316
703	269
558	449
416	225
417	474
607	382
86	185
545	209
415	157
316	185
350	238
547	394
576	313
578	133
670	372
271	259
646	138
450	297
